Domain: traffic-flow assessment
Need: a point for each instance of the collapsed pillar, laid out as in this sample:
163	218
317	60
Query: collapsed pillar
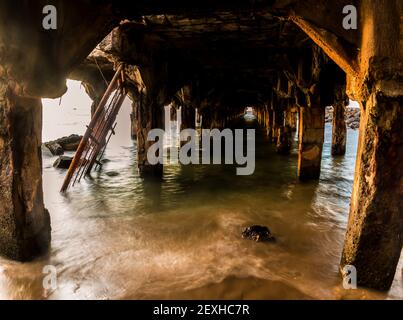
311	138
24	221
339	127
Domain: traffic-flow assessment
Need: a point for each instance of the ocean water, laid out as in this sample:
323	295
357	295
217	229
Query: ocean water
117	236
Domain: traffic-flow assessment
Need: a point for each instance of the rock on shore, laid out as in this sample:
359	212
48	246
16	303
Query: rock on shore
70	143
352	117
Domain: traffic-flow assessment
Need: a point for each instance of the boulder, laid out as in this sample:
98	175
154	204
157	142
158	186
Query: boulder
55	148
70	143
258	234
63	162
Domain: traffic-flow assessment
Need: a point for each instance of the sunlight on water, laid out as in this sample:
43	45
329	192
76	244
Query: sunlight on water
121	237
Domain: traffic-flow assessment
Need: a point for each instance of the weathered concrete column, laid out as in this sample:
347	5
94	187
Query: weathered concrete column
374	237
133	119
188	117
291	119
173	113
266	119
218	119
206	118
339	128
311	138
95	92
149	116
260	118
198	117
278	122
284	140
270	122
24	221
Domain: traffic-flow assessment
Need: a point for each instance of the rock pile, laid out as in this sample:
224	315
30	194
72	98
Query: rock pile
352	117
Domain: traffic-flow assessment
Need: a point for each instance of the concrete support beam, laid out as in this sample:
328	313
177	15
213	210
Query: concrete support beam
198	118
374	237
173	113
206	118
188	117
149	116
270	122
134	120
284	140
219	119
339	128
344	56
311	138
278	122
291	119
24	221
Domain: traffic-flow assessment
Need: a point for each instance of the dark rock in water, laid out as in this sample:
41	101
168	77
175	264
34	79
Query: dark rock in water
112	173
63	162
103	161
258	234
55	148
70	143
